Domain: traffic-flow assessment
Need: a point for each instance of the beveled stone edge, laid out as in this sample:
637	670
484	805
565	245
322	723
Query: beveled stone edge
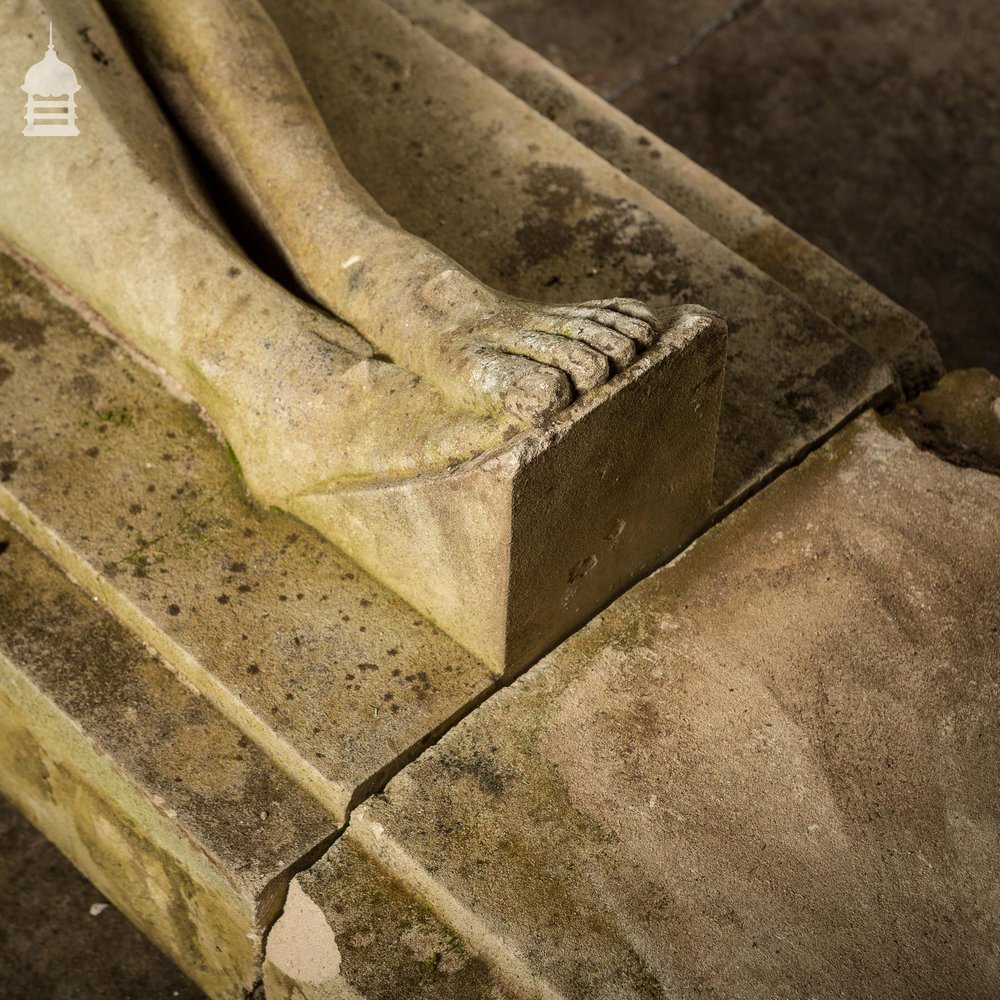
915	361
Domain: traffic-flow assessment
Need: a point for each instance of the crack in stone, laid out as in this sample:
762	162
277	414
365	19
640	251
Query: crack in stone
738	11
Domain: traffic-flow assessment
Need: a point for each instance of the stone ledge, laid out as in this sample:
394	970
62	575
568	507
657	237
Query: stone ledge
186	825
749	774
334	677
876	323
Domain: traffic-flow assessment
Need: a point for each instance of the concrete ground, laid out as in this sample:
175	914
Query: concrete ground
59	938
870	126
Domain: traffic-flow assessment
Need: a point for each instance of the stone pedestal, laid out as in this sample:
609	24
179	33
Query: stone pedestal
205	639
511	552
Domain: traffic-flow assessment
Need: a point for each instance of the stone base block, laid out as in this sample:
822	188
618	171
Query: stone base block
516	549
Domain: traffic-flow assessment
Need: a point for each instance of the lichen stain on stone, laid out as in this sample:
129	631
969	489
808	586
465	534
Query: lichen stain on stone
8	465
568	219
482	766
542	239
543	93
601	136
85	385
22	333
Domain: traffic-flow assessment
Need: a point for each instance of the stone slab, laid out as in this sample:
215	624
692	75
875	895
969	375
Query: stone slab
173	814
768	770
865	314
323	668
461	161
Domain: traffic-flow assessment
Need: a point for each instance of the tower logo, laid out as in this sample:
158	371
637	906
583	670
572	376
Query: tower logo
51	88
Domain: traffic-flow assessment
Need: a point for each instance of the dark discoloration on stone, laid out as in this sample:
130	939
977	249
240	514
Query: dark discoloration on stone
21	332
85	385
158	800
481	766
601	136
958	420
539	241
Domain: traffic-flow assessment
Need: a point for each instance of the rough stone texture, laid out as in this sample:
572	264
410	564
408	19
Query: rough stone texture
52	948
512	552
868	317
511	196
320	429
868	126
334	677
768	770
167	808
321	949
794	173
822	377
959	419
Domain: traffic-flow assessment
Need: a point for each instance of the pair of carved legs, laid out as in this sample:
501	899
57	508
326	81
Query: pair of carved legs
117	215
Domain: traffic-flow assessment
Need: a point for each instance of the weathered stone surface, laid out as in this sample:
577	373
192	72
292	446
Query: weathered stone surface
768	770
280	419
321	427
513	551
186	825
321	949
959	419
871	319
462	162
333	676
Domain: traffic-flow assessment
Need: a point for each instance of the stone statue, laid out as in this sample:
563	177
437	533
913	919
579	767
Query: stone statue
230	80
420	368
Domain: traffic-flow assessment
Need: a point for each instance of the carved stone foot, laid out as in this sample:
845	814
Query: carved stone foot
512	551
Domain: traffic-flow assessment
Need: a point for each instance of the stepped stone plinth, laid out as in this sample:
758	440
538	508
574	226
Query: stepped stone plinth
200	690
755	769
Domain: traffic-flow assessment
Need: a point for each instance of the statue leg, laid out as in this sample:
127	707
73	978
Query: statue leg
228	76
115	215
